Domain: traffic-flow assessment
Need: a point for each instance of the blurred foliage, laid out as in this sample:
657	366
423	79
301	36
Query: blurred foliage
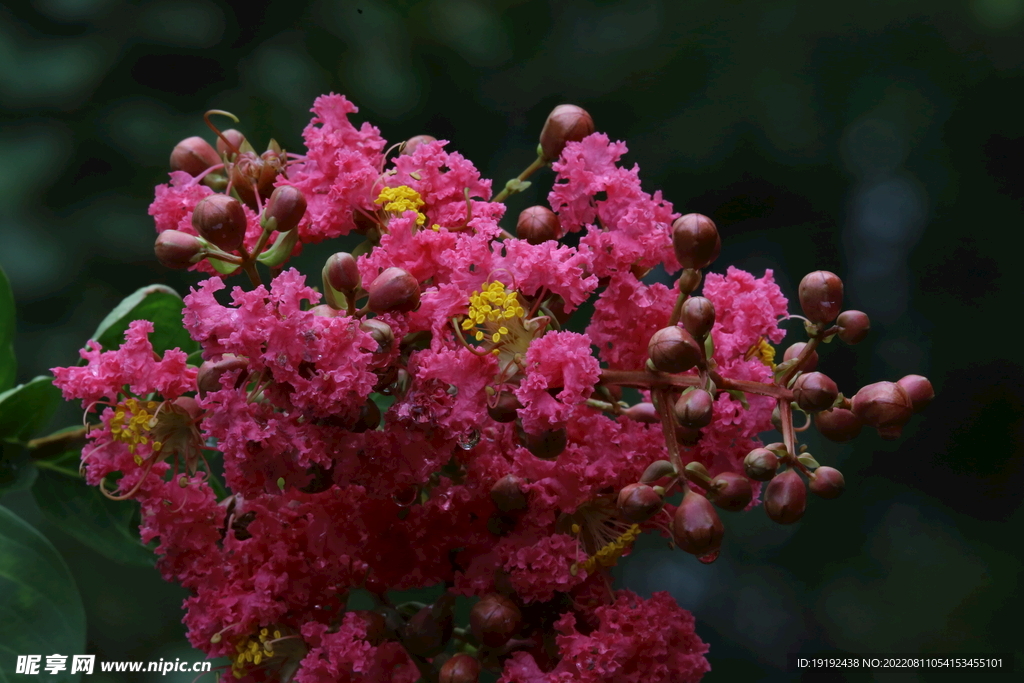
881	140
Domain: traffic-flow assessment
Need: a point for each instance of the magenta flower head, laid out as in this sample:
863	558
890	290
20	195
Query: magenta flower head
220	220
673	349
821	296
193	156
565	123
785	498
696	527
394	290
177	250
696	241
537	224
886	406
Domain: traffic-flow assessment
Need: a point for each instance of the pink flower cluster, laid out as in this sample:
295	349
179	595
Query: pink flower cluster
327	495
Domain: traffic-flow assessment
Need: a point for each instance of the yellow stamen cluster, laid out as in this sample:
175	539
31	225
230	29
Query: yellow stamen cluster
132	423
764	352
608	555
494	304
401	199
252	651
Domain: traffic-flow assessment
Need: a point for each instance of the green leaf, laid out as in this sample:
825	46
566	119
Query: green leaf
27	408
17	471
157	303
84	513
40	608
8	366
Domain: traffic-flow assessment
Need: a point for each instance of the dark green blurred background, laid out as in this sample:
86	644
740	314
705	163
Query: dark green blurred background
880	140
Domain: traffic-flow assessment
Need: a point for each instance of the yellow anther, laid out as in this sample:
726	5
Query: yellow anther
401	199
764	352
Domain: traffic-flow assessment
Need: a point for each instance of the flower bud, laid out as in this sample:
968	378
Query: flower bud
177	250
673	349
696	527
409	146
698	316
394	290
637	503
208	378
853	326
547	445
193	156
919	389
827	482
815	391
376	626
785	498
507	494
731	491
886	406
643	412
234	137
688	436
252	173
287	206
821	296
427	632
381	333
794	351
506	408
689	280
761	464
696	241
838	424
694	409
461	668
494	619
565	123
657	470
341	272
537	224
220	220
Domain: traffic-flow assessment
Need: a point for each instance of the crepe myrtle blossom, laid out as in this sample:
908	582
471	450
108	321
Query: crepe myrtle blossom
435	412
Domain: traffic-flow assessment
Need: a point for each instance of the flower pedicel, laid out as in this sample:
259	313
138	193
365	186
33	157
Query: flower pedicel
427	419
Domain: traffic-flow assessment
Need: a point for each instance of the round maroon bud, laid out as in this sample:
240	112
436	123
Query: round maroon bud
821	296
287	206
494	619
507	494
696	526
461	668
190	406
853	326
886	406
193	156
547	445
565	123
410	146
761	464
794	351
673	349
827	482
537	224
698	316
696	241
838	424
731	491
919	389
376	626
642	412
220	220
394	290
210	372
638	503
234	137
815	391
427	632
341	272
506	408
381	333
785	498
177	250
695	409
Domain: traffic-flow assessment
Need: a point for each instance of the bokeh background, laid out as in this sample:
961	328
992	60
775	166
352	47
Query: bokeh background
880	140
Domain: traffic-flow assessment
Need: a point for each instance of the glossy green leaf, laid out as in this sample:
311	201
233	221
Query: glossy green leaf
17	471
81	511
8	366
40	608
157	303
26	408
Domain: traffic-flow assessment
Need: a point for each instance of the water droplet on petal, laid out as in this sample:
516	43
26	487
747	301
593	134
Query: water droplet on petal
468	441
